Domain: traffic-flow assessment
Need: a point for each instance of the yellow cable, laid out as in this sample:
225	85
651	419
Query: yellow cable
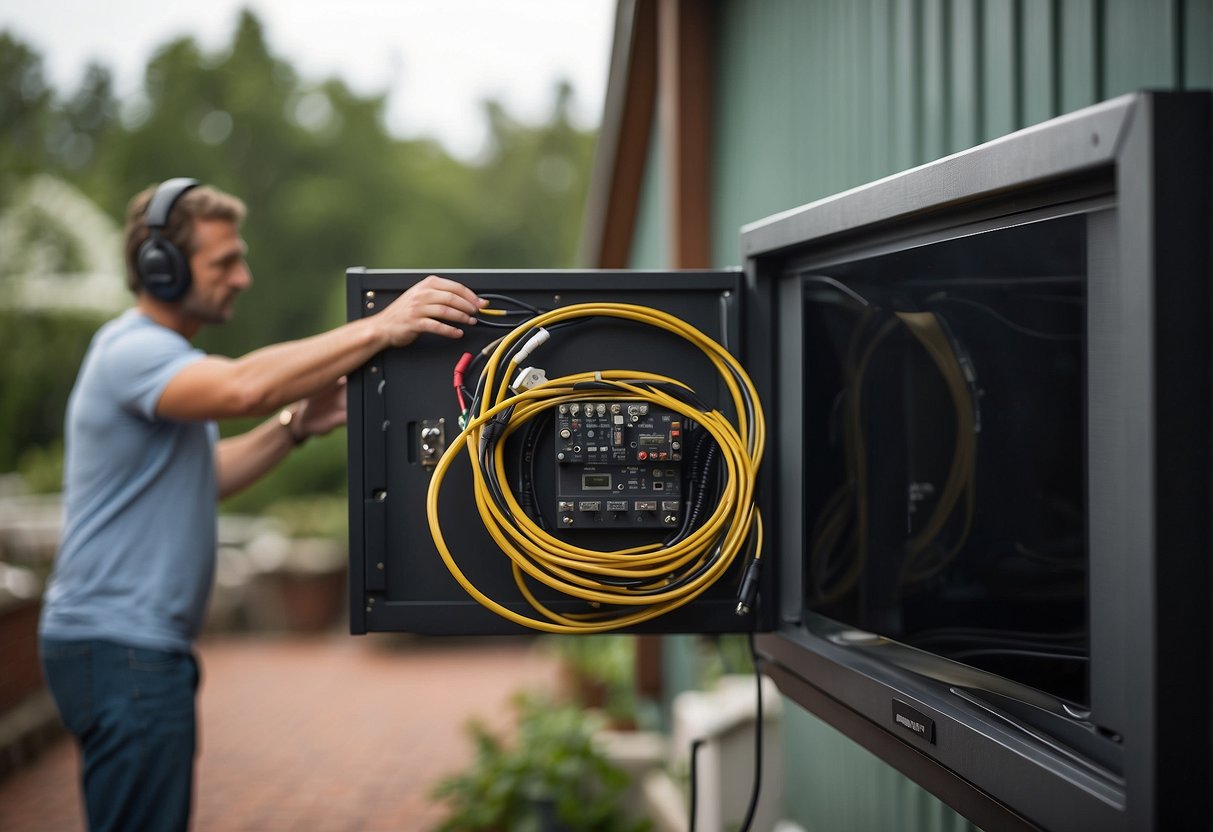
579	573
962	471
841	514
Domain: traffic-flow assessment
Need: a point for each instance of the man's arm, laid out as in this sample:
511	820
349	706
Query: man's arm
266	379
242	460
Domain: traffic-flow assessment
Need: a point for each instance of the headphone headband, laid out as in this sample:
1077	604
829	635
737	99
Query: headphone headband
164	271
165	198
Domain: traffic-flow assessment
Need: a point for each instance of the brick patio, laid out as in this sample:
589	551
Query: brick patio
323	733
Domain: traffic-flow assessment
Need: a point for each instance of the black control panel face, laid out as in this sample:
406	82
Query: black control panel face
618	464
403	418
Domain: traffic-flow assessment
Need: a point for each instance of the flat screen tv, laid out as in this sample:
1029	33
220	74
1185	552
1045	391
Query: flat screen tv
986	487
993	385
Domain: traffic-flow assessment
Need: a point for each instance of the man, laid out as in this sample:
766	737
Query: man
144	470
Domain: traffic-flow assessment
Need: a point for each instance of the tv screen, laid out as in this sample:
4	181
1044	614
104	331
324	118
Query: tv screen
994	543
944	451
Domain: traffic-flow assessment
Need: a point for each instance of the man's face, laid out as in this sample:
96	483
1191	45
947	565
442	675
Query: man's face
219	270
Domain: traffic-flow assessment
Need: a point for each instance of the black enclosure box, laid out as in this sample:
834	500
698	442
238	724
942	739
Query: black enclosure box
398	581
988	476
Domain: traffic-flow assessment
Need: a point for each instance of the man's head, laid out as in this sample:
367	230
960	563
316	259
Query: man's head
204	225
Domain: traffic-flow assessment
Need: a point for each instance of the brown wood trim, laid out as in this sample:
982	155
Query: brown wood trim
685	100
623	139
648	669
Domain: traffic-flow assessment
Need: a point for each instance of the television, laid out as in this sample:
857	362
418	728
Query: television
994	532
986	490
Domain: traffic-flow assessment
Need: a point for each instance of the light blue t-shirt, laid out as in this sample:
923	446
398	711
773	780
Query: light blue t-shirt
137	556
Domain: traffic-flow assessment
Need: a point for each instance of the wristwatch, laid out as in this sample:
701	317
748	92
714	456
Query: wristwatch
286	418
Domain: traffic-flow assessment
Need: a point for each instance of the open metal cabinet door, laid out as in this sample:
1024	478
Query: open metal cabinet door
626	478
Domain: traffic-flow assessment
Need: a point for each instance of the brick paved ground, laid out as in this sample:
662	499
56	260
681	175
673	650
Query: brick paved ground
324	733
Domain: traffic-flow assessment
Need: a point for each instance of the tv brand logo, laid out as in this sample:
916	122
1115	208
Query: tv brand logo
912	720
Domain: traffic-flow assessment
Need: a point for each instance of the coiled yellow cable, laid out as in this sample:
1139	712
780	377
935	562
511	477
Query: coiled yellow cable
589	575
842	527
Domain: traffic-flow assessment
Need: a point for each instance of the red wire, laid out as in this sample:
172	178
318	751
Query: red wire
462	365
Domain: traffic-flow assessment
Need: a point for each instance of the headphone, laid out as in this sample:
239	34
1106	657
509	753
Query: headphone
163	269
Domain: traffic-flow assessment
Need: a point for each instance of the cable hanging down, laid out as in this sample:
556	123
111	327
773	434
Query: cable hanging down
623	587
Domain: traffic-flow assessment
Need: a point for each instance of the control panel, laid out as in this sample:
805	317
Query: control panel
618	464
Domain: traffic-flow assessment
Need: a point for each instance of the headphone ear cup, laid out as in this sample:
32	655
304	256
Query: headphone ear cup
163	269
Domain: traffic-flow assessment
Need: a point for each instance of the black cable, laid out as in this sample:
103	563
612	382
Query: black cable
524	310
527	497
838	285
522	305
694	779
758	730
701	470
489	322
941	297
489	439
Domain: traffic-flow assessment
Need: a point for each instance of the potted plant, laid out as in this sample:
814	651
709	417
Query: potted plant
551	778
598	671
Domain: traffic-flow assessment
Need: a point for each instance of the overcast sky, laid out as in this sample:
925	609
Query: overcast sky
437	59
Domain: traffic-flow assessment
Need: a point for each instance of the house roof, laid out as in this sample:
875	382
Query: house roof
62	252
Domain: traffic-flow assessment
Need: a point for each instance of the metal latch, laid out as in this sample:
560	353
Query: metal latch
431	442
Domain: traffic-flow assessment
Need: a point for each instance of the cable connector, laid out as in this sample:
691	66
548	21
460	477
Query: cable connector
460	368
491	431
457	383
529	377
748	593
533	343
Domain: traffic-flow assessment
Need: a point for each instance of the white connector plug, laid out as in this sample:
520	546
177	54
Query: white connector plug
533	343
529	377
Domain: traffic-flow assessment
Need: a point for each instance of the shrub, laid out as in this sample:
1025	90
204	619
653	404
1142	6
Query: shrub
552	778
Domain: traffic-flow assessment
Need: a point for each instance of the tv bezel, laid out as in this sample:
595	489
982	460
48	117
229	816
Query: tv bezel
1138	166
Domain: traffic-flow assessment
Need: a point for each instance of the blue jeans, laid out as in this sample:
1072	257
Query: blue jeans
132	712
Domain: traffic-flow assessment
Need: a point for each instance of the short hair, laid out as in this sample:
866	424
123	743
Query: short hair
198	203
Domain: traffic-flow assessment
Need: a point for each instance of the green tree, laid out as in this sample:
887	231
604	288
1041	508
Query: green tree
39	354
25	105
528	195
81	124
327	186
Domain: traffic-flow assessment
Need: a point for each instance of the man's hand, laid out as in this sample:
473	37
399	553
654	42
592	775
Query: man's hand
322	412
266	379
425	307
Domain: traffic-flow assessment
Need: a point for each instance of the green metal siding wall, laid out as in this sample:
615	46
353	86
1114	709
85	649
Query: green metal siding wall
817	96
833	785
648	241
